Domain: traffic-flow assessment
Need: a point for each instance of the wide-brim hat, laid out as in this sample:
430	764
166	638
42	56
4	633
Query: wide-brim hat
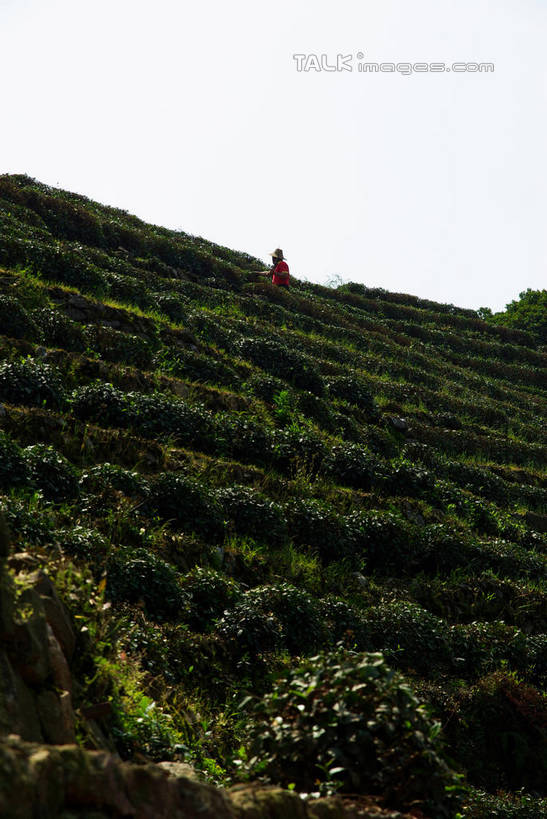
278	253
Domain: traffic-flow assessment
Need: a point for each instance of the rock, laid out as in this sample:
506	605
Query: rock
60	671
3	411
28	644
180	769
56	718
257	802
56	614
398	423
17	704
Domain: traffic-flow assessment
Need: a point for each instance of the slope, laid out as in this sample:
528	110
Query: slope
246	477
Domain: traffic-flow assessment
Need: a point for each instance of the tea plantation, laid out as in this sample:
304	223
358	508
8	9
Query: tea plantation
302	534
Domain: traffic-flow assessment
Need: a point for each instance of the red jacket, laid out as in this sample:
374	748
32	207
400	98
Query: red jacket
280	273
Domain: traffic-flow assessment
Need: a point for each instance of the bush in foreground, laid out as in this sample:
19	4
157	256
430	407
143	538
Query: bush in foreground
348	721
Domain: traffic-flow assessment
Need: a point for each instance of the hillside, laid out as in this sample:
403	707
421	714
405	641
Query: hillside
299	536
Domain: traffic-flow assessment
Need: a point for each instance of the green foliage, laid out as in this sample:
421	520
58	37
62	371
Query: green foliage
499	729
31	383
351	465
282	361
210	594
15	321
187	504
59	331
409	635
51	472
83	543
135	574
528	312
253	514
348	721
313	524
113	476
13	467
273	617
354	391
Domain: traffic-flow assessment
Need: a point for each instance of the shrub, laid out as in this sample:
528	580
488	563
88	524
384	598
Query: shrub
265	387
60	331
195	366
238	436
253	514
269	617
311	523
283	362
15	321
51	472
343	623
115	345
294	445
29	519
351	465
164	415
348	719
13	467
410	635
383	539
128	481
136	574
209	594
351	389
499	730
185	502
31	383
101	402
483	647
82	543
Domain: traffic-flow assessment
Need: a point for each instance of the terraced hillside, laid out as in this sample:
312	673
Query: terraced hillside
225	480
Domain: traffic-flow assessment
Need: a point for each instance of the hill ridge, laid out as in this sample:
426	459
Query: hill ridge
243	478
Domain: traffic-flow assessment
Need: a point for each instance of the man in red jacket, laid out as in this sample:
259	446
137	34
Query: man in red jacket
279	269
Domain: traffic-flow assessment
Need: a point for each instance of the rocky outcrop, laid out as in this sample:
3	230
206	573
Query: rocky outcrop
66	782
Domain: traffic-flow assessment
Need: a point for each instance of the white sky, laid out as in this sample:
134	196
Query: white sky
193	115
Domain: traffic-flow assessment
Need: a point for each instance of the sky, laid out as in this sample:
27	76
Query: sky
195	116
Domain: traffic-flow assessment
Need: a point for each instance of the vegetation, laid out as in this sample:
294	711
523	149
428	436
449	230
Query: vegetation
303	532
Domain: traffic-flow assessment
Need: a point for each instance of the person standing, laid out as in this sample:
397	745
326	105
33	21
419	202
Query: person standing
279	270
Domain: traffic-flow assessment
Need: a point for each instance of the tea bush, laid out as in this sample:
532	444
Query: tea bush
13	467
271	617
311	523
83	544
349	720
351	465
295	445
499	730
51	472
351	389
137	574
283	362
237	436
15	321
187	504
411	636
102	403
31	383
60	331
253	514
195	366
210	593
115	345
128	481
